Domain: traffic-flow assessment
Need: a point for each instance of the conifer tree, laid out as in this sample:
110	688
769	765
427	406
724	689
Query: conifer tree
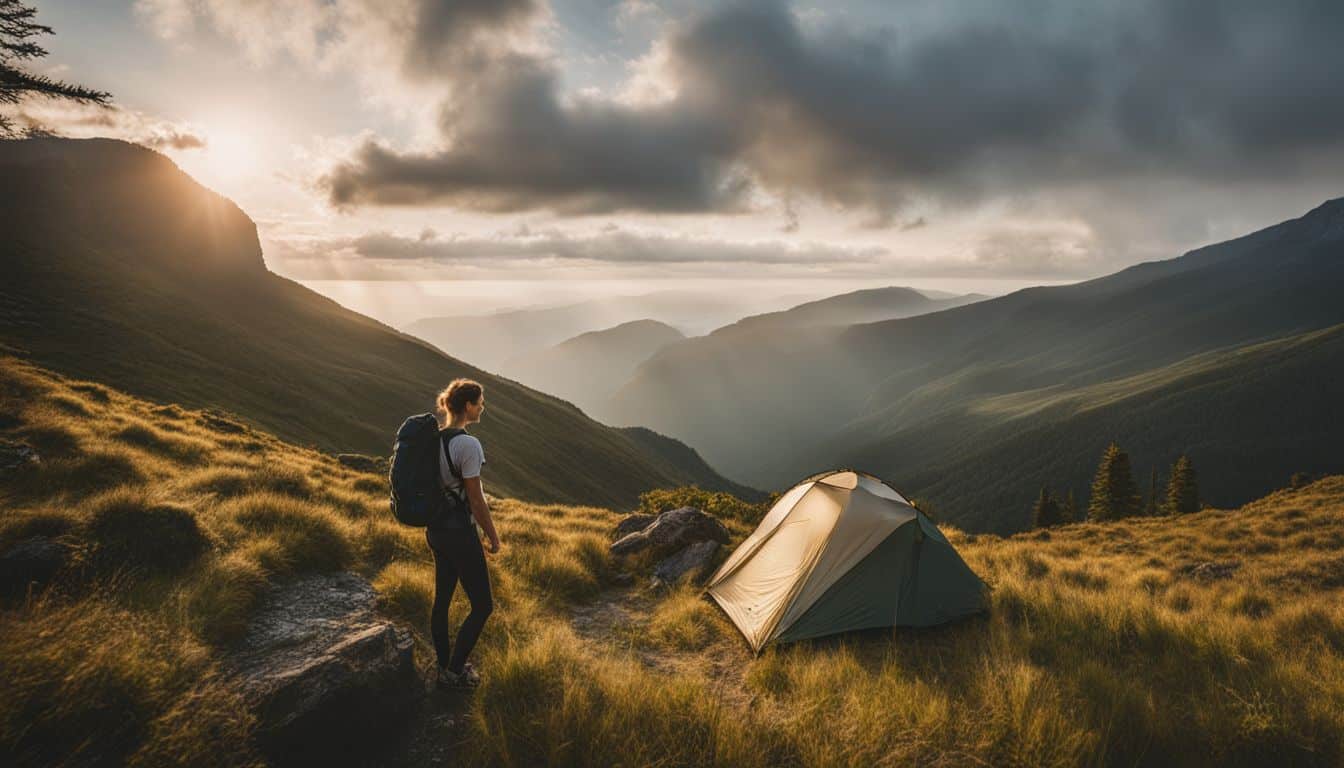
1153	508
1183	488
1046	512
17	29
1068	513
1114	493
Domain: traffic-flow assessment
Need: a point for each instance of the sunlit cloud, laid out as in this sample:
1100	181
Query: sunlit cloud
76	120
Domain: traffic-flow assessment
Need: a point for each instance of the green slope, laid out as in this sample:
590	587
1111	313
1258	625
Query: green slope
774	406
121	268
1249	417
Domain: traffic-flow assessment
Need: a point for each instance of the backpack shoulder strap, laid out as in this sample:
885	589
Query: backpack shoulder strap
447	436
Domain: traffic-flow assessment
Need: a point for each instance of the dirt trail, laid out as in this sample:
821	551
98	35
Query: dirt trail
616	617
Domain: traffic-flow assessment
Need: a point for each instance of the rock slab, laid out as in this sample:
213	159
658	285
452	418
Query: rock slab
670	532
31	563
324	673
694	560
16	455
633	523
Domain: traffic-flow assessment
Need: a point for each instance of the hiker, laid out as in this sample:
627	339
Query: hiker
456	542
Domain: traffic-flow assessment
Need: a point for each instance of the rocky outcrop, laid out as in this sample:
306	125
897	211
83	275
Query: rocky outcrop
32	564
16	455
1210	571
324	673
670	532
633	523
686	540
694	562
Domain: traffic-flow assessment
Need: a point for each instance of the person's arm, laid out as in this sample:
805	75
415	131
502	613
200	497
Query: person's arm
480	510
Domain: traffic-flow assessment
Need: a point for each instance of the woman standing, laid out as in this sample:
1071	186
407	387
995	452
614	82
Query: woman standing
456	542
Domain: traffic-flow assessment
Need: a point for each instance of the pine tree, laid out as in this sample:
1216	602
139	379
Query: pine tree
1183	488
1153	508
17	29
1046	512
1069	512
1114	493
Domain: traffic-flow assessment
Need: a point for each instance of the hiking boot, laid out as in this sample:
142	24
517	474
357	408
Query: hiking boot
467	678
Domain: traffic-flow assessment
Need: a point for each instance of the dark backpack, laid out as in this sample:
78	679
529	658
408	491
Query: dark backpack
418	495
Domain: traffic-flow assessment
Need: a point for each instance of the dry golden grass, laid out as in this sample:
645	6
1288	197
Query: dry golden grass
1216	638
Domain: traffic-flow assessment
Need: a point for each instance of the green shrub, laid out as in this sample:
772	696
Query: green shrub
716	503
130	530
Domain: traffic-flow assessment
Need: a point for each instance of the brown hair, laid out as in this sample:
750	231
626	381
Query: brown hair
455	397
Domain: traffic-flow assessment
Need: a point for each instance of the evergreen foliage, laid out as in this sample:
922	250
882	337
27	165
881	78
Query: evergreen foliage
1153	508
1114	493
17	29
1183	488
1047	512
1069	511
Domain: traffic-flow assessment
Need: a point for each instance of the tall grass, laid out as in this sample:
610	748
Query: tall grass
1104	644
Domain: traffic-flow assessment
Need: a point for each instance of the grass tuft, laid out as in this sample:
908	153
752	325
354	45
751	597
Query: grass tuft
131	531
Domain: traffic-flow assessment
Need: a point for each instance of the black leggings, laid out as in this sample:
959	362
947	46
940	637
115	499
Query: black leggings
458	556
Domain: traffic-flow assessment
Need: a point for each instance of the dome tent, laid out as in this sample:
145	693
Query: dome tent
842	551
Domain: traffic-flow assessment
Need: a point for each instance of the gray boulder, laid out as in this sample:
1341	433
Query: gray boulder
16	455
694	560
33	562
633	523
670	532
323	672
1210	571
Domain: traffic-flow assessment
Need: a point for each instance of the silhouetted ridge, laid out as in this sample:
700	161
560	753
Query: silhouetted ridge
132	196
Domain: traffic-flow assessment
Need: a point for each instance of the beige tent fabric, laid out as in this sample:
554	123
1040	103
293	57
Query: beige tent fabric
811	537
772	519
756	594
879	488
866	521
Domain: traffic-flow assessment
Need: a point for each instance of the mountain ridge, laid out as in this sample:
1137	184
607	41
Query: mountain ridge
160	288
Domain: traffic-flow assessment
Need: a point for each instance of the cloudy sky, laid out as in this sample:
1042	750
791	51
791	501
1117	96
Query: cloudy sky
974	144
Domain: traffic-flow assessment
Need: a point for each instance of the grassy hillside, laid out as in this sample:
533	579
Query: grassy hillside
756	408
1211	639
120	267
1249	418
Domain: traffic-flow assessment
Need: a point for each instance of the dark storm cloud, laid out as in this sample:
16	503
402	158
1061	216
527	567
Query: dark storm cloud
443	30
516	146
1001	101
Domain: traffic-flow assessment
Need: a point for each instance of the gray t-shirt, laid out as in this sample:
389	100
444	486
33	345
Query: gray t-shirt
468	456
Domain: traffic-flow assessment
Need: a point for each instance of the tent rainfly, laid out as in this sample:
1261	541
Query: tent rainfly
842	551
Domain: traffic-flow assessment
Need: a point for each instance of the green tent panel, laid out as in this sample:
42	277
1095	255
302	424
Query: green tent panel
842	551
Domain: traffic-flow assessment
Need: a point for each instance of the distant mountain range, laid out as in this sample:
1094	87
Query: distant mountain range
491	340
977	407
866	306
589	368
120	268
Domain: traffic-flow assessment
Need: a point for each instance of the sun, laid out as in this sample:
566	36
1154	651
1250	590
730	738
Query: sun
231	154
